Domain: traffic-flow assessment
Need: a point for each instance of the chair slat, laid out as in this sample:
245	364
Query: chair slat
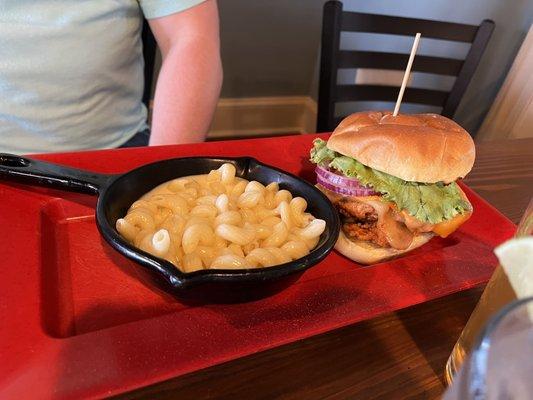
390	93
397	61
338	120
375	23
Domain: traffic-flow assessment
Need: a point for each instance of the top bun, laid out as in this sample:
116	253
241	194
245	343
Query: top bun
419	147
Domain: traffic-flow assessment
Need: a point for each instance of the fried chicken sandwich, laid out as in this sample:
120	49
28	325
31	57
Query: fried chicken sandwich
393	181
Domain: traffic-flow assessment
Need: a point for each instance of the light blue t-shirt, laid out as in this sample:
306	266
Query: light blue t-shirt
71	72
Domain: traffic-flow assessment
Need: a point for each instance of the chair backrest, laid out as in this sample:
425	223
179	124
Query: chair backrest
335	21
149	51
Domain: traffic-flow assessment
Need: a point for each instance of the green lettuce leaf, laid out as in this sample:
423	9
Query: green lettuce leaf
431	203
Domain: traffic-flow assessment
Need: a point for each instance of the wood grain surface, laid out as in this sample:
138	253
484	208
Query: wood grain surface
398	355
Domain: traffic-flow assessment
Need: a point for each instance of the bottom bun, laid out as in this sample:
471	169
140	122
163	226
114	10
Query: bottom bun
368	253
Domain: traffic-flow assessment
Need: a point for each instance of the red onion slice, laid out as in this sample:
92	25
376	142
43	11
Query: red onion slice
347	191
341	184
336	179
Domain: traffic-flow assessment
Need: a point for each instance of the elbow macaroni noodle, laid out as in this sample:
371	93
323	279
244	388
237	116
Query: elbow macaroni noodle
221	221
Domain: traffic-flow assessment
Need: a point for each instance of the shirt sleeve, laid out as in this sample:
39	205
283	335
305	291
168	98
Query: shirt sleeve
162	8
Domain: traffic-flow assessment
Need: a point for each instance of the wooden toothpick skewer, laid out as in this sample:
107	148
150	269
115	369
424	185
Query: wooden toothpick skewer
406	74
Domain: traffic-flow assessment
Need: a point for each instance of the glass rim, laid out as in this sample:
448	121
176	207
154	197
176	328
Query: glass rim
475	383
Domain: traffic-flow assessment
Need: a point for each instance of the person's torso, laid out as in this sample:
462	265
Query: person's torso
71	74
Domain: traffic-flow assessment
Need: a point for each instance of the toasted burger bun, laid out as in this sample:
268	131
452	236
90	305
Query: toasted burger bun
367	253
419	147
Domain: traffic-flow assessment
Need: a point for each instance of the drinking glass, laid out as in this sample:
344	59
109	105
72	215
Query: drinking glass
496	295
501	363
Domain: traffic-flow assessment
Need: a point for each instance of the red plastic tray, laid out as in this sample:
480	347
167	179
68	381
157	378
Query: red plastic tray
76	323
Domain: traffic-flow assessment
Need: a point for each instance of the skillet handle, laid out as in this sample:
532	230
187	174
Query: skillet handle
36	172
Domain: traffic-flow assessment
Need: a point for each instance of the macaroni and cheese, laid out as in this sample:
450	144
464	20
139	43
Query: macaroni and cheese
221	221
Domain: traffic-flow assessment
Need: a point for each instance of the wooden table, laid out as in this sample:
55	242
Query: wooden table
398	355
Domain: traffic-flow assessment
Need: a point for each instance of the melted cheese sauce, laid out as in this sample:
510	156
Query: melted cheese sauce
397	233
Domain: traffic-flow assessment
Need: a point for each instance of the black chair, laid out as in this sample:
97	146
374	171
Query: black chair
149	51
336	20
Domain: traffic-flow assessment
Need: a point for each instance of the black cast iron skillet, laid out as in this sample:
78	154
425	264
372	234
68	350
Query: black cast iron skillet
117	192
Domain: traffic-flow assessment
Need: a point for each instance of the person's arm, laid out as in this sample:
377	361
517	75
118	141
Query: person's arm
191	74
